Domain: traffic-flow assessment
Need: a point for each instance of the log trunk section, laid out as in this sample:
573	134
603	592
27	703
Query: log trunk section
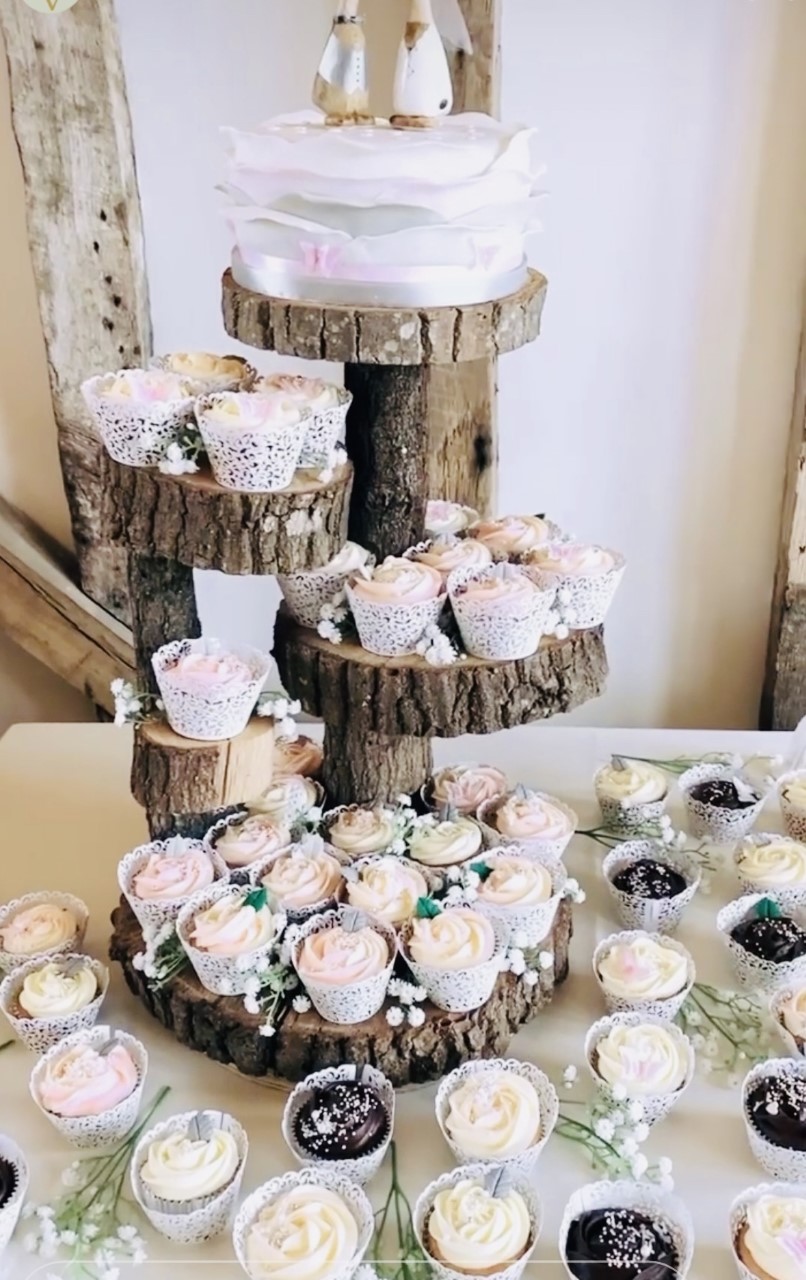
163	602
784	698
184	784
71	121
193	520
407	697
220	1027
362	768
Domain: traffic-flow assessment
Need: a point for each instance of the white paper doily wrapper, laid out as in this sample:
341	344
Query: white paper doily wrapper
789	896
9	962
11	1210
252	460
779	1162
425	1203
750	970
502	632
643	1197
738	1215
361	1000
326	429
298	915
219	713
535	922
621	816
392	630
222	975
350	1192
665	1010
722	826
656	1105
359	1168
584	600
41	1034
653	915
795	1047
190	1222
553	846
460	990
121	422
794	815
306	593
151	914
237	875
211	385
547	1097
87	1132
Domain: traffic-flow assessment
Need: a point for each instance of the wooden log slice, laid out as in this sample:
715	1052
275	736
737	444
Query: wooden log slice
384	335
174	777
364	768
406	697
220	1026
193	520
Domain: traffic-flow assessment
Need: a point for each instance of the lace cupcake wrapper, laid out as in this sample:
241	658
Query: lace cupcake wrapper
499	633
136	433
306	593
460	990
392	630
583	602
151	914
721	826
9	962
783	1163
751	971
89	1132
794	815
547	1098
41	1034
550	846
790	898
641	1197
665	1009
738	1216
327	429
359	1001
652	915
621	817
248	460
208	717
535	922
656	1105
223	975
11	1210
359	1169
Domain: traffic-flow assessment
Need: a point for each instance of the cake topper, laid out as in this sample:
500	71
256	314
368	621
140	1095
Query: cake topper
340	87
422	88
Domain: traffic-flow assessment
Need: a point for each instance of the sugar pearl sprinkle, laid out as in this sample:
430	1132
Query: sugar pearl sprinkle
785	1094
627	1241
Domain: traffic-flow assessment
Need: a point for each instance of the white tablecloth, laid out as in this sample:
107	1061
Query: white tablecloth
67	818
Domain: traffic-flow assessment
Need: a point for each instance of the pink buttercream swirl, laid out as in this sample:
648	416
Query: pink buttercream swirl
206	672
499	590
169	877
148	386
447	553
297	756
250	411
511	535
572	559
530	817
230	927
336	958
83	1082
244	842
309	392
467	787
399	581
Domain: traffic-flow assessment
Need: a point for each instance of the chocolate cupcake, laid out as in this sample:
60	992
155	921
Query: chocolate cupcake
768	946
650	886
774	1098
721	804
775	939
621	1244
341	1117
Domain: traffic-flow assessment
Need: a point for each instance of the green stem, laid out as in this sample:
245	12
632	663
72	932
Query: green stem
584	1129
7	1045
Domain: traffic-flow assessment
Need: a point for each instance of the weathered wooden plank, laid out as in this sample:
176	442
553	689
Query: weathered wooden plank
71	121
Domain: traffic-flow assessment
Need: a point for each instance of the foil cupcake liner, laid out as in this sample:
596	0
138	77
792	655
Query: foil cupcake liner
327	428
666	1010
392	630
791	897
41	1034
251	460
89	1132
642	1197
552	846
460	990
361	1168
547	1098
151	914
783	1163
298	915
499	631
352	1195
11	1210
217	715
534	922
9	962
124	422
751	971
425	1203
220	974
738	1216
306	592
584	601
190	1221
359	1001
653	915
721	826
794	815
656	1105
211	385
795	1047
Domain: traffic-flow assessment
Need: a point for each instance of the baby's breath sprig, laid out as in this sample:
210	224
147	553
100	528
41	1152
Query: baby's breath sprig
185	454
336	622
402	1259
164	956
271	993
729	1030
133	705
613	1132
661	831
282	709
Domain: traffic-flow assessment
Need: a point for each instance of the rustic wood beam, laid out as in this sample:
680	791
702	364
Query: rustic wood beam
71	120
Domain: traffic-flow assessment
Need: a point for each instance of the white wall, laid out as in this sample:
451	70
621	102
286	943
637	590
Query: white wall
653	412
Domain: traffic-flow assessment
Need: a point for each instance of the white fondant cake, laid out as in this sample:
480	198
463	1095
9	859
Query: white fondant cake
377	215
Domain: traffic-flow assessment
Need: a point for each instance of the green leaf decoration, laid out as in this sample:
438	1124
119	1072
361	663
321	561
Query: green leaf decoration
427	909
257	899
766	909
482	870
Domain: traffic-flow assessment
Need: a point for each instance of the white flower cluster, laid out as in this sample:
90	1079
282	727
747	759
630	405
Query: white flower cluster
131	706
574	892
270	992
151	963
335	619
282	710
178	461
555	622
410	996
614	1133
436	647
336	458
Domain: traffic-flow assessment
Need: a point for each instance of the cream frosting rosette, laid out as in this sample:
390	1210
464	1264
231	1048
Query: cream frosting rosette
630	793
456	956
585	577
530	818
179	1168
208	372
159	877
228	932
478	1221
241	841
387	887
394	603
327	403
90	1085
449	555
510	536
772	863
501	611
634	1056
344	959
311	393
768	1232
307	591
791	788
209	690
254	442
788	1009
40	925
46	1000
464	787
447	517
521	889
287	799
306	877
298	755
643	973
139	412
443	842
359	830
498	1111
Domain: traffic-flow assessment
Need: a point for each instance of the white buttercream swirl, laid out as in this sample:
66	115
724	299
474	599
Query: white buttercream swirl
38	929
777	863
306	1234
208	369
531	817
572	559
794	791
242	843
646	1060
287	797
448	517
351	557
494	1115
458	938
793	1014
512	535
179	1168
51	992
299	755
247	411
232	928
398	581
473	1231
358	831
388	887
447	553
776	1236
636	783
515	882
311	393
303	877
444	844
147	386
643	969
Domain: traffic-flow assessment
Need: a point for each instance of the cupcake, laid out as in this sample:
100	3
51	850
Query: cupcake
344	959
39	925
585	578
632	1056
228	933
768	1232
501	611
436	841
90	1085
529	818
313	1222
286	800
186	1175
792	799
298	755
767	945
209	691
208	373
521	890
159	877
774	1105
477	1221
451	556
464	787
630	793
626	1231
447	517
13	1188
307	591
341	1119
46	1000
721	804
773	864
359	830
394	603
643	973
305	878
254	442
788	1009
498	1112
242	841
139	412
508	537
386	887
327	403
650	886
456	956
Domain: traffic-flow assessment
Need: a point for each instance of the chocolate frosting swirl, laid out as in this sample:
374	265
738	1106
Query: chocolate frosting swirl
341	1120
620	1244
647	878
777	1108
777	939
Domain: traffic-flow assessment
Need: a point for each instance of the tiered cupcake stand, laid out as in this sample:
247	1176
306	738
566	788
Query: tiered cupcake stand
380	714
